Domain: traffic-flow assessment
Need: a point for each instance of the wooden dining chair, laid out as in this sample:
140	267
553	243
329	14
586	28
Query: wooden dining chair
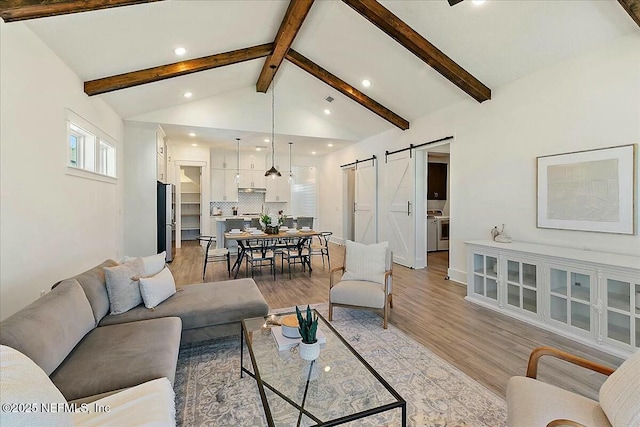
213	254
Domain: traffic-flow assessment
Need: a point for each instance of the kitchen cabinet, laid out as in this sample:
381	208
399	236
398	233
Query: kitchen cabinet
253	161
223	159
589	296
278	190
437	181
252	178
223	185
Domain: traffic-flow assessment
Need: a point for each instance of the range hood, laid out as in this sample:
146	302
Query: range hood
251	190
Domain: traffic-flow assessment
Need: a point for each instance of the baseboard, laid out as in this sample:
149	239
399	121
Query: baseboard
457	276
337	240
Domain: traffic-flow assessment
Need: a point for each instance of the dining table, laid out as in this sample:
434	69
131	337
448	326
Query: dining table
293	240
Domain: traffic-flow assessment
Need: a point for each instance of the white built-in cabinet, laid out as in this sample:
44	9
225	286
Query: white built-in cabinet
161	156
224	166
278	190
592	297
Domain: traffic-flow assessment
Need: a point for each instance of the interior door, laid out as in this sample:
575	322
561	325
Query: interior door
365	203
399	196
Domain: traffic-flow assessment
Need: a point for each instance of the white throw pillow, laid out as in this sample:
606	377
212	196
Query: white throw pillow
122	285
365	262
153	264
26	393
620	394
158	288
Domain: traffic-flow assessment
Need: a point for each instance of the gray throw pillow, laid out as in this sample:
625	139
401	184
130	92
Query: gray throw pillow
122	285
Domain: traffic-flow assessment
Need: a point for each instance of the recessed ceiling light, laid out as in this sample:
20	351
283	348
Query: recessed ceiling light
187	95
477	2
366	83
258	148
267	140
327	111
194	145
313	152
180	51
329	145
191	134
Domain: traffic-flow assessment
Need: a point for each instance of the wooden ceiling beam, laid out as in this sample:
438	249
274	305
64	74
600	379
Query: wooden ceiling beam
346	89
19	10
398	30
633	9
293	19
162	72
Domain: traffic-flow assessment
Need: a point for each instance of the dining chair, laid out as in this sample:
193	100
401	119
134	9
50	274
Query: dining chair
212	253
255	222
304	221
322	246
297	252
231	223
260	253
288	222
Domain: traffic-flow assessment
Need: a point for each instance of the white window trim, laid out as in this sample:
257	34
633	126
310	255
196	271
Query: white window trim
77	171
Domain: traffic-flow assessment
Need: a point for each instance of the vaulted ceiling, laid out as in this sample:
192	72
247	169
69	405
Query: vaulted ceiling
494	43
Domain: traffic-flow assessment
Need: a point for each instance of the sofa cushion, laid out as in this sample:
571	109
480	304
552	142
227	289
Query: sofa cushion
365	262
620	394
24	388
122	285
120	356
534	403
153	264
93	284
50	327
204	304
157	288
359	293
148	404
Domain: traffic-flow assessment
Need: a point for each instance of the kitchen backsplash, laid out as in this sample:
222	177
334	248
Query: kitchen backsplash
248	203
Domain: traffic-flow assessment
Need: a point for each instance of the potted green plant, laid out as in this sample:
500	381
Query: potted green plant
270	224
309	348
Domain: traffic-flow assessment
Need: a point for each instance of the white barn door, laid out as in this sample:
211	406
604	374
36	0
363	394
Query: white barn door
399	195
365	203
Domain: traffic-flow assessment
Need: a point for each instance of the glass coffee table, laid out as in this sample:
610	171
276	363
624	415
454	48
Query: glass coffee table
336	388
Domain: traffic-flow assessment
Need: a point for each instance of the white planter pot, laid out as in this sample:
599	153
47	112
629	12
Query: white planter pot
309	351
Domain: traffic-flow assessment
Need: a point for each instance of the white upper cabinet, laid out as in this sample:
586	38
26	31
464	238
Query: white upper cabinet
253	161
223	159
252	178
223	185
278	189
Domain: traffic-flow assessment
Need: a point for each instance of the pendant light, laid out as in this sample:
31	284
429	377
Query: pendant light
290	179
237	178
273	172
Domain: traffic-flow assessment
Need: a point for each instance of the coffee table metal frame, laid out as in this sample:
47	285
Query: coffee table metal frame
244	335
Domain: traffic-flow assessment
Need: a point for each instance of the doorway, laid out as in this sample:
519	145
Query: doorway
192	180
438	194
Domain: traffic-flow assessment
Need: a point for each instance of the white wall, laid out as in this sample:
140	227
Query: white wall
588	102
140	226
52	225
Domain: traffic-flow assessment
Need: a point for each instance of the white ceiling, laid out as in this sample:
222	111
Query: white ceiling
497	42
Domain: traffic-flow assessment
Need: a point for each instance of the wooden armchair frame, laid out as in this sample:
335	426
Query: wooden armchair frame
388	303
532	372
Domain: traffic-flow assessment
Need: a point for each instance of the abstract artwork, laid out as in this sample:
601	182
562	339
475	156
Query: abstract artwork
588	190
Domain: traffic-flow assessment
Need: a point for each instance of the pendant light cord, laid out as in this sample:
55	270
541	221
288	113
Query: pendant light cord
273	121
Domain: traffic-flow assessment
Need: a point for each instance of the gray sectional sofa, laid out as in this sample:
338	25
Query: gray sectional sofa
89	353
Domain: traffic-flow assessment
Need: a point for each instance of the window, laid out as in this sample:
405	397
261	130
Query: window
89	149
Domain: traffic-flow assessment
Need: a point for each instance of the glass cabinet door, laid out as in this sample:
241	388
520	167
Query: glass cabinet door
570	297
622	311
485	276
522	288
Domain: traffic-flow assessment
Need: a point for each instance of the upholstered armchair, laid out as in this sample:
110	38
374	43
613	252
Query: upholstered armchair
531	402
366	281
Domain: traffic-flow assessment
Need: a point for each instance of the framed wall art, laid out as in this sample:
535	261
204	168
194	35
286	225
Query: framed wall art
588	190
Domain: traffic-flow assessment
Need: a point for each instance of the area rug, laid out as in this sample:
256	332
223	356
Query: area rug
210	392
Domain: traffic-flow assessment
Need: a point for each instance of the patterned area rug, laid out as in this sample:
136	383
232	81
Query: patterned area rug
210	392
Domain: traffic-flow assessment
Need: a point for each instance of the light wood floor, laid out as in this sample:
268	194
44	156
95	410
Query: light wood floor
487	346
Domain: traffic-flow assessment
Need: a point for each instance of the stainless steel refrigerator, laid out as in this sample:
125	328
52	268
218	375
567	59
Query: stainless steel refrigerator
166	219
